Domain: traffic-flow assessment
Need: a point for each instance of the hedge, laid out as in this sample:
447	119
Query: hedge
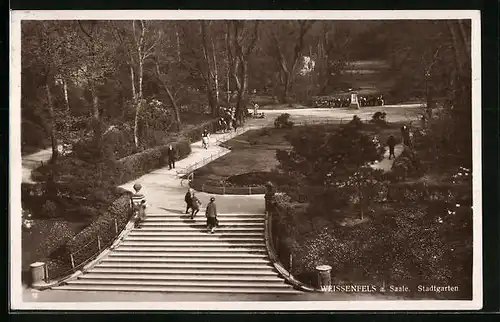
199	185
138	164
418	191
84	245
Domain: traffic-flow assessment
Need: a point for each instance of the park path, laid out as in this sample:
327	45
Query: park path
163	190
386	163
32	161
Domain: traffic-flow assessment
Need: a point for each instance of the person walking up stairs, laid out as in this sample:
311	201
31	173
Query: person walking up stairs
211	214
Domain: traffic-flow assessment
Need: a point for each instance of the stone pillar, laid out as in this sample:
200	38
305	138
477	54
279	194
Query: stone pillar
268	197
324	277
354	101
37	274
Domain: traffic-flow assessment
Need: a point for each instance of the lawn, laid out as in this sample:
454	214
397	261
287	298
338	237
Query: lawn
253	155
253	151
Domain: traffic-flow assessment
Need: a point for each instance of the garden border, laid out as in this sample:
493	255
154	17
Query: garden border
271	252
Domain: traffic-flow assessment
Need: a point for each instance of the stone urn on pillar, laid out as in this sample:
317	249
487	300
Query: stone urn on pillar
269	196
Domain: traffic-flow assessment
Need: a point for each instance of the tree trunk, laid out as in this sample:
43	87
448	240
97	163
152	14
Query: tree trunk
171	98
212	101
178	44
66	98
138	104
286	87
216	74
53	137
132	79
136	123
228	70
96	120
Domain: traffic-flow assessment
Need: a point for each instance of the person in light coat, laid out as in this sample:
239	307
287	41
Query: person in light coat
211	214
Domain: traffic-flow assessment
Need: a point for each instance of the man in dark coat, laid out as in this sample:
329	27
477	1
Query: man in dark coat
171	157
195	205
188	200
391	142
211	214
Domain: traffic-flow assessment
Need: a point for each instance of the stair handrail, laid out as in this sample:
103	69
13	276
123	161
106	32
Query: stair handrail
271	251
100	248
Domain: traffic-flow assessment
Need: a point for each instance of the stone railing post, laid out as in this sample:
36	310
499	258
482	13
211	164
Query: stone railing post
324	277
268	197
37	274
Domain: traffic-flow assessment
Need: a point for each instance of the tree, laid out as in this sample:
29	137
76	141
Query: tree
241	42
47	51
145	40
285	35
95	64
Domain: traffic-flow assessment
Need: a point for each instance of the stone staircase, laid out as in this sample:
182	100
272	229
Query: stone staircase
171	253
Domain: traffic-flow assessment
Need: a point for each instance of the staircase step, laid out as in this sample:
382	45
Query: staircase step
205	265
142	232
201	228
201	224
182	271
186	249
121	259
192	254
190	243
183	283
172	289
199	219
178	277
200	238
201	214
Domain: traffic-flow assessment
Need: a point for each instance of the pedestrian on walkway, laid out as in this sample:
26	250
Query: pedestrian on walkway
171	153
391	143
204	139
211	214
188	200
195	205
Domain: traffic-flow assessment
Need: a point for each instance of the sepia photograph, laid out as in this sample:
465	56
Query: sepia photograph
246	160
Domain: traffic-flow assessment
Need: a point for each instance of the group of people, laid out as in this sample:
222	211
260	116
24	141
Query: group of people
407	137
138	202
193	203
370	100
227	120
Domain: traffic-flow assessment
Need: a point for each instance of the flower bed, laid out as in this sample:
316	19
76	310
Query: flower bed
201	186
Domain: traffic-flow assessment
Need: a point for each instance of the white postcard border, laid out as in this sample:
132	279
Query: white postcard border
16	291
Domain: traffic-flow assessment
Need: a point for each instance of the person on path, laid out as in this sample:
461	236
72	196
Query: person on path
171	157
405	134
204	139
195	205
211	214
188	200
391	143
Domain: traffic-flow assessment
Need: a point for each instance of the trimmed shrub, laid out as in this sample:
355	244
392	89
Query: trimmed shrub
407	165
283	121
143	162
49	209
84	245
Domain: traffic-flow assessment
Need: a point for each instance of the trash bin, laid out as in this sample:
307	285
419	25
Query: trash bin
37	273
324	277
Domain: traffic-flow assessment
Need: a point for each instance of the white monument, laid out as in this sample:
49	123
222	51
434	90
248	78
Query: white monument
354	101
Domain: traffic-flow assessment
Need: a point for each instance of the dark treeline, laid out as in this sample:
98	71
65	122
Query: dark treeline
151	75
